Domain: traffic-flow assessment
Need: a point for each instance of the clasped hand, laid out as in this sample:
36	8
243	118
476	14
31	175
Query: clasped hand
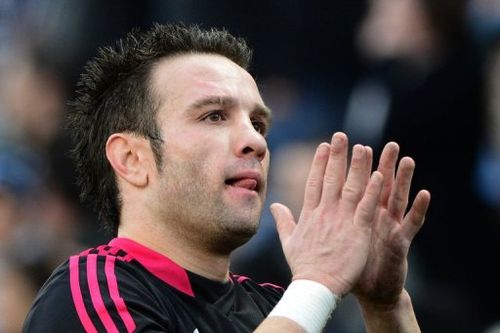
353	233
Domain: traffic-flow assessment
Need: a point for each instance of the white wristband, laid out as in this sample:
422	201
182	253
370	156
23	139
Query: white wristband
308	303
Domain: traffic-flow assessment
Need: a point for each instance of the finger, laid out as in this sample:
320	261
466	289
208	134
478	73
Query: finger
355	184
366	209
387	166
314	184
335	170
414	220
369	162
285	223
398	200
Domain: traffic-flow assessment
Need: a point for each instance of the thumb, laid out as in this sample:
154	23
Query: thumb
285	223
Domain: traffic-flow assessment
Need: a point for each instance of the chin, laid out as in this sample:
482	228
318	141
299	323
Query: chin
243	229
235	235
227	245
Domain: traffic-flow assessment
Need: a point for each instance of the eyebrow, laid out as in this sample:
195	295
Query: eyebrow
227	102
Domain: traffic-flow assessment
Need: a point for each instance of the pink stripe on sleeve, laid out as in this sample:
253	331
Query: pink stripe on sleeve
115	294
76	294
95	294
240	278
272	285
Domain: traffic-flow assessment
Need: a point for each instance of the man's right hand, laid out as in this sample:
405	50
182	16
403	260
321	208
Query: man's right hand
331	240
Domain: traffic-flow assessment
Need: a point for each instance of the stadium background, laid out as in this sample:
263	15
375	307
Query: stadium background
423	72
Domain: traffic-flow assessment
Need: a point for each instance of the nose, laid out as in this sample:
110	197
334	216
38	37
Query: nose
249	142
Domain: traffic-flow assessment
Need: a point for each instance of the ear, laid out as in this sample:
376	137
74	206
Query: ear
130	156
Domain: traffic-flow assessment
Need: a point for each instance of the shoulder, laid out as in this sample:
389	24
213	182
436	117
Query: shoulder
52	305
92	291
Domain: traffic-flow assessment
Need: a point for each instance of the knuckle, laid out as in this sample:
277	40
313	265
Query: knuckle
330	179
313	182
323	212
399	200
349	192
364	212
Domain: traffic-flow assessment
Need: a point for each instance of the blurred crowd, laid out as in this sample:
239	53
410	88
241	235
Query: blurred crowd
424	73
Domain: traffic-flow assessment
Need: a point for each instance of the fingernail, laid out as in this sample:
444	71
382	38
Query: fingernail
338	138
323	146
357	151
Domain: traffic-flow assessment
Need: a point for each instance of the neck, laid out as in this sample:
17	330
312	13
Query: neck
189	256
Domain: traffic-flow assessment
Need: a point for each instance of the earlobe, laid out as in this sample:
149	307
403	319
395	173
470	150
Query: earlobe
125	154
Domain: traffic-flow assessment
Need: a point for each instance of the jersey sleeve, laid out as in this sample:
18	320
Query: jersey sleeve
265	295
96	293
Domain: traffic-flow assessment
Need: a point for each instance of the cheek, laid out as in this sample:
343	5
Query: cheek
266	161
184	145
197	154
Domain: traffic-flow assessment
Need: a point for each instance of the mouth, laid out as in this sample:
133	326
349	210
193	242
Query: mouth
246	183
251	182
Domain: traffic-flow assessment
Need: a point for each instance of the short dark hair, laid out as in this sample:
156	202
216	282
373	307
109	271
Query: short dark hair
114	95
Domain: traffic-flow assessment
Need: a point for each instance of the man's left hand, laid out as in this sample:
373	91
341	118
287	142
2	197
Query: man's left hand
381	284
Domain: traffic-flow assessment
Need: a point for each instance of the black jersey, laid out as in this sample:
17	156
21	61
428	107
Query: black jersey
126	287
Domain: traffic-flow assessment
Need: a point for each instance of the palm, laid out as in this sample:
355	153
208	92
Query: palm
383	278
330	242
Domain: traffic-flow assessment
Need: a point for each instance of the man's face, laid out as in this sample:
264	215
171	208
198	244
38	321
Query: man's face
212	185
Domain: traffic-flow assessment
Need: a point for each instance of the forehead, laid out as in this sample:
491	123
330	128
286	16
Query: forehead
181	80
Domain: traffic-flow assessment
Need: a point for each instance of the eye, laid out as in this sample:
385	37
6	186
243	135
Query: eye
259	126
215	116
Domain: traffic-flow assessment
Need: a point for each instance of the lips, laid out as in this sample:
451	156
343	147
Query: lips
248	183
247	180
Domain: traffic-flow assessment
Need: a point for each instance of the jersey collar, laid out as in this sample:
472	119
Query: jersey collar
157	264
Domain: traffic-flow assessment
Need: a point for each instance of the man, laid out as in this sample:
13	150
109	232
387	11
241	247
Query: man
169	132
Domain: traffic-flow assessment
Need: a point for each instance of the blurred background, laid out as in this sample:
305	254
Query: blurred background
425	73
